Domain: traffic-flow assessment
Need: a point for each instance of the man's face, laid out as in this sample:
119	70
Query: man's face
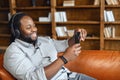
28	29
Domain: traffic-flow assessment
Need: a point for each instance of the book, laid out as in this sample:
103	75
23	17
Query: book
69	3
44	19
70	33
64	16
57	17
110	16
96	2
33	3
60	16
105	16
47	2
114	2
61	31
9	16
49	16
109	2
109	31
113	32
106	32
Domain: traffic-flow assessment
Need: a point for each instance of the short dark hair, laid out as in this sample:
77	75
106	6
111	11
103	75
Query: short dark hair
14	24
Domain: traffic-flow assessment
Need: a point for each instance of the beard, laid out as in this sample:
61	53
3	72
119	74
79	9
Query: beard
27	39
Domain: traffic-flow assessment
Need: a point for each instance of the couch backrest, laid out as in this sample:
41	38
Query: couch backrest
103	65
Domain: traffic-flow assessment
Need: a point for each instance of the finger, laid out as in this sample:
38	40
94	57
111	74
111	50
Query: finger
78	49
76	45
83	34
77	53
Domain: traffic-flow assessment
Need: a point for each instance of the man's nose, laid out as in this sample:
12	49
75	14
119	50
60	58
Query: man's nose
34	28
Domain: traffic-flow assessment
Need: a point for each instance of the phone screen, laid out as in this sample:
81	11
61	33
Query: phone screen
77	37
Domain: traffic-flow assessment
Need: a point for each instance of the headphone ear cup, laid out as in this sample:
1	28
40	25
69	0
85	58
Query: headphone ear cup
12	31
17	33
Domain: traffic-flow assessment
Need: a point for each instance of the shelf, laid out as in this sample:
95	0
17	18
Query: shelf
31	8
116	38
115	22
92	38
4	35
79	22
112	6
81	6
37	22
4	9
60	38
87	38
3	22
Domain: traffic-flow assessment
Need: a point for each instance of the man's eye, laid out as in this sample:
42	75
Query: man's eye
28	27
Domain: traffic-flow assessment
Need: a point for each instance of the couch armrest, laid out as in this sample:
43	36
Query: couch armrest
4	75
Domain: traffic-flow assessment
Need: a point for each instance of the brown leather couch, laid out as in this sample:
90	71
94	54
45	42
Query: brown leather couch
4	75
102	65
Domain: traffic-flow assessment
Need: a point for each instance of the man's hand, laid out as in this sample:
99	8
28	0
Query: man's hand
83	34
72	52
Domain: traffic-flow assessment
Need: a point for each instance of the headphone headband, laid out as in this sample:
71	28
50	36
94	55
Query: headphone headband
14	29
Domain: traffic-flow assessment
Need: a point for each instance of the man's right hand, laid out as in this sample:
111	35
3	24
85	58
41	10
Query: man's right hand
72	52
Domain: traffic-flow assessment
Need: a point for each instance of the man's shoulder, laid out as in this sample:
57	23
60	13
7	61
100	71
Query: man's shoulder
44	38
12	48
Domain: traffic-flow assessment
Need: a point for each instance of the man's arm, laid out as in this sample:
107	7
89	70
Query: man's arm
70	54
52	69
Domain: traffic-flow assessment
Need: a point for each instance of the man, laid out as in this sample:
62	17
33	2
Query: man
30	57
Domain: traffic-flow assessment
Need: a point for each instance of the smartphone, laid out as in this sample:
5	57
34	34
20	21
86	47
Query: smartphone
77	37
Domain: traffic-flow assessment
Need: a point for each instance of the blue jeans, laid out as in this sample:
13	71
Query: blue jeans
79	76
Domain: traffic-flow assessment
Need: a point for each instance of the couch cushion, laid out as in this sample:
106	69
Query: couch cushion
103	65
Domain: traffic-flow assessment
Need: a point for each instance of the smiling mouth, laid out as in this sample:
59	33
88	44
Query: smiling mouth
34	35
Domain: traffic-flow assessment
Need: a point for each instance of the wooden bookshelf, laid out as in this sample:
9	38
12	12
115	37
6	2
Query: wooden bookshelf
91	17
4	31
113	43
83	15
